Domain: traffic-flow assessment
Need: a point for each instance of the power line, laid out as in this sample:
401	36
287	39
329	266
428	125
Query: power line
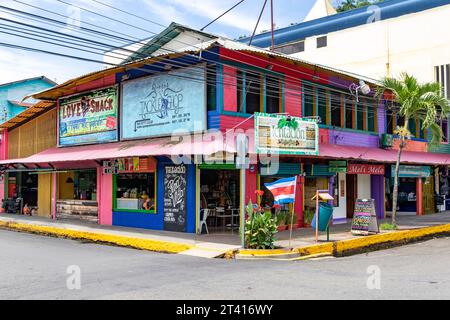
237	4
257	23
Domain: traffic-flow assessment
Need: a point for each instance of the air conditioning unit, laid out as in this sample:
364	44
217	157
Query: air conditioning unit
387	141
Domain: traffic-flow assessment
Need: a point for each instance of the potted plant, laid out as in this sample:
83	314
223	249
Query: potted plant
290	219
281	221
308	215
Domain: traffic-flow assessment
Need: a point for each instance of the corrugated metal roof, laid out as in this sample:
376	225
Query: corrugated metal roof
61	90
28	114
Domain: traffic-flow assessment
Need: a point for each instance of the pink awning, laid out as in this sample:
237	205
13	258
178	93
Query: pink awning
333	151
187	145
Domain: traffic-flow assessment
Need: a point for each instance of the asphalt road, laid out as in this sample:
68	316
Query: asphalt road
35	267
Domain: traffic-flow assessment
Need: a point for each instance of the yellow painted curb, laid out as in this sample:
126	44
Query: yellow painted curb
121	241
251	252
341	247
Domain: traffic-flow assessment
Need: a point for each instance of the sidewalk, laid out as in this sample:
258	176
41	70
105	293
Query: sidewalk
160	241
214	245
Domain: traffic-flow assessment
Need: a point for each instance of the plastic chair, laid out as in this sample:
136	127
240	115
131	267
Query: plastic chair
203	216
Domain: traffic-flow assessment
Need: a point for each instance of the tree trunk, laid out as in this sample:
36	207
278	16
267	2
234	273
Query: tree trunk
397	170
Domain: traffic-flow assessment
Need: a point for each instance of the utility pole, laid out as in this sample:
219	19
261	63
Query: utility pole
272	26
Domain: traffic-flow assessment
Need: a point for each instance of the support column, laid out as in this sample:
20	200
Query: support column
298	209
419	196
54	193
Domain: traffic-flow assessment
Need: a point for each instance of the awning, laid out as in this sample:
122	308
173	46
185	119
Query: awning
333	151
186	145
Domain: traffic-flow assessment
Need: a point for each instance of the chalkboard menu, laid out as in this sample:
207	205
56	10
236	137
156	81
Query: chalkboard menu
175	198
365	218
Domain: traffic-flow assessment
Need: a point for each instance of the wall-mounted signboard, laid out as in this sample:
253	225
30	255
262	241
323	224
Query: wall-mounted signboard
164	104
286	135
88	118
372	169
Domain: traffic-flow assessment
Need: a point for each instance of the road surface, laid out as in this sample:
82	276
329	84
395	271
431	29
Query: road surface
36	267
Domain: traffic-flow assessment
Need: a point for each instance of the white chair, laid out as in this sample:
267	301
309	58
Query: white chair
203	216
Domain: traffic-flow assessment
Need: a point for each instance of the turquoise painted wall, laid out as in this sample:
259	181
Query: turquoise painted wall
16	91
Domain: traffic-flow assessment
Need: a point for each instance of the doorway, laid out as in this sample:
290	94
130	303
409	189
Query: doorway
352	187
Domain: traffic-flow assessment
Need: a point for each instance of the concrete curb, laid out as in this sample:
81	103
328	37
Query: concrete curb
353	246
102	238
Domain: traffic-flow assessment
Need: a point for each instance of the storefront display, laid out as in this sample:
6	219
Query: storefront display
135	191
77	195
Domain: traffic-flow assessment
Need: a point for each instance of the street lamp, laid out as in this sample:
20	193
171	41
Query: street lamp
355	89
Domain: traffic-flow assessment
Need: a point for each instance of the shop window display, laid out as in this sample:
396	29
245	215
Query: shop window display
135	191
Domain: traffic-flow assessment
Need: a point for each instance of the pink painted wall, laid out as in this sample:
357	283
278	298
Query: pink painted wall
3	156
251	186
298	208
104	197
229	89
293	98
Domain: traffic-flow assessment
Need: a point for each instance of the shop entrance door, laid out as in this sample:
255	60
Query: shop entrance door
352	188
428	196
220	199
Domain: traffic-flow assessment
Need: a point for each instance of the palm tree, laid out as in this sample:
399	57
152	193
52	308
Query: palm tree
414	101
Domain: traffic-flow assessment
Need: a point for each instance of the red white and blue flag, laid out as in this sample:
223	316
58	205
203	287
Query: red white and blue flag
283	190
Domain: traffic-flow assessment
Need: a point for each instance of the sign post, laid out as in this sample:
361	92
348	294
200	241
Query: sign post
243	163
365	219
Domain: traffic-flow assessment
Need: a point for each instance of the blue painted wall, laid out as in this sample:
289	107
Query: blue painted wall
156	221
16	91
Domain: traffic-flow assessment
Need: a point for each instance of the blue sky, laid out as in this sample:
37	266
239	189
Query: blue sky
16	64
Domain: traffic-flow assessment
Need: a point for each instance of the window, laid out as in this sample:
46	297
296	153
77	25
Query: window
240	92
442	76
291	48
253	93
211	87
349	105
336	113
322	42
389	122
308	96
135	191
360	114
372	114
273	95
322	98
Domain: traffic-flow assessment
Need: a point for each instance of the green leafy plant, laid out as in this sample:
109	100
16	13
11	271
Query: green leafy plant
288	122
260	228
281	219
308	216
414	101
388	226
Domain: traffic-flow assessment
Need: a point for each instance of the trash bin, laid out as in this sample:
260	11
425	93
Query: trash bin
325	215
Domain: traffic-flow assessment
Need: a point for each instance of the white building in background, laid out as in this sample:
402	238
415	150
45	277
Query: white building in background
376	41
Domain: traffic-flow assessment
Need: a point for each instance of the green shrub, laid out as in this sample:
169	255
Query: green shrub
260	228
388	226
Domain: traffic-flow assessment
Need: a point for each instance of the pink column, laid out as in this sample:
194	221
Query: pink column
419	197
298	209
3	156
104	197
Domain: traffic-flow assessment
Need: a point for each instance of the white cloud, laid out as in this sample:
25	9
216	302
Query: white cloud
17	65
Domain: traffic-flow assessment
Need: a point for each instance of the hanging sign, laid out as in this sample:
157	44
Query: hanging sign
88	118
165	104
337	166
175	186
365	219
371	169
412	171
286	135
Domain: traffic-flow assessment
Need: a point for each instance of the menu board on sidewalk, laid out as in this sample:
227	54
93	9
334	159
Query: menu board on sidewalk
175	198
365	218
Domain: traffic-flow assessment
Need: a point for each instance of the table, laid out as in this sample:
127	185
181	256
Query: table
224	216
